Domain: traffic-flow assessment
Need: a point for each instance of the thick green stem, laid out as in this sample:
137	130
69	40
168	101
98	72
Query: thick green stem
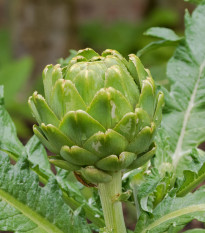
112	210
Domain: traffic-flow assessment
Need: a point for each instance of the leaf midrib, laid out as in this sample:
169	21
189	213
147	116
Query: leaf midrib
175	214
177	154
28	212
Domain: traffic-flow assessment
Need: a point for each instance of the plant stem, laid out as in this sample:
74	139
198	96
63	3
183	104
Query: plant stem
112	210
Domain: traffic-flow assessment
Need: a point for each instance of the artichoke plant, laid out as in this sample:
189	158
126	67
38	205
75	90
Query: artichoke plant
99	114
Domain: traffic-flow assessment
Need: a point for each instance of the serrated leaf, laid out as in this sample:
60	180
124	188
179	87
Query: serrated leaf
192	161
174	213
192	179
146	188
186	72
152	190
43	207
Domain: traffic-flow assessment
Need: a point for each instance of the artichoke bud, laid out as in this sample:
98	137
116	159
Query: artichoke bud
99	114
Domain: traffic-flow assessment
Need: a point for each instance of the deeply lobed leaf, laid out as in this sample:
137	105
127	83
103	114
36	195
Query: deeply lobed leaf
173	213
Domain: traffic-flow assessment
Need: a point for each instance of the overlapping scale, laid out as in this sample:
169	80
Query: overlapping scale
99	115
115	163
143	158
88	82
121	80
147	96
65	98
38	132
50	75
142	140
79	126
55	136
78	156
60	162
127	126
108	143
137	70
95	175
108	107
158	110
88	53
42	112
130	125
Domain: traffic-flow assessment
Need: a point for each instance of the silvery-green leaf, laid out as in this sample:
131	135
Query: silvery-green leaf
186	72
27	207
196	173
173	213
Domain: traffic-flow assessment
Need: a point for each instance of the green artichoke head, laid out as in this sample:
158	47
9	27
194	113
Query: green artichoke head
99	114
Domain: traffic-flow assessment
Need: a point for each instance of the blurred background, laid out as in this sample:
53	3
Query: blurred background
34	33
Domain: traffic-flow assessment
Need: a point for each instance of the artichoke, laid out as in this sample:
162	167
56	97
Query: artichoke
99	114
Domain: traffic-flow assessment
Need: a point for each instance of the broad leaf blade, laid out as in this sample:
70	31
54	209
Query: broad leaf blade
43	207
152	190
173	213
162	33
187	74
169	38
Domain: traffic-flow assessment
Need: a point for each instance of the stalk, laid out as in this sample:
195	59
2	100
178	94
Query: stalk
112	210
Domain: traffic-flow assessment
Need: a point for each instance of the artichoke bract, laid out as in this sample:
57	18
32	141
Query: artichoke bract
99	114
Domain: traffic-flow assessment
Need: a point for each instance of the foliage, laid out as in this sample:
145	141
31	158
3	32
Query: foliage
163	188
27	207
173	213
183	129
